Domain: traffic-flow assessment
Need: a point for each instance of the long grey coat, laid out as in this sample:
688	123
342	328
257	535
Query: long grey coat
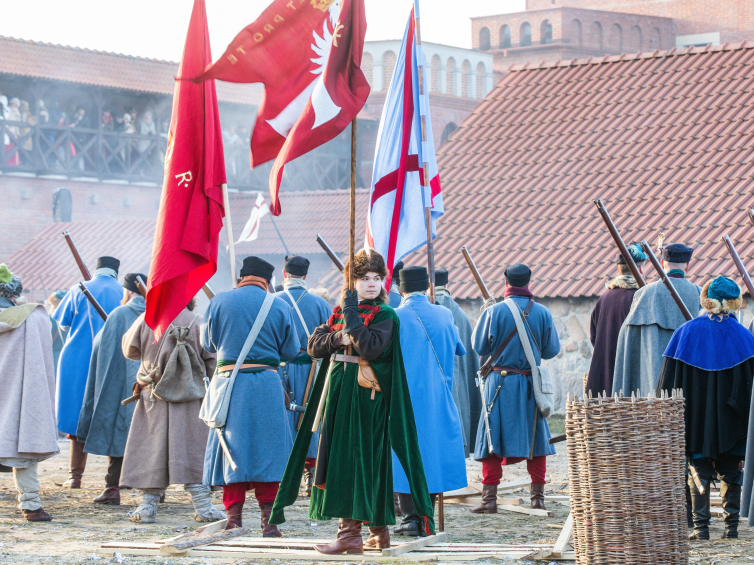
646	332
167	440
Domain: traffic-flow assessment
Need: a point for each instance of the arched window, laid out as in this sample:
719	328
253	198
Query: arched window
505	37
366	68
545	32
616	38
388	66
576	36
465	79
636	39
596	36
481	70
451	78
654	39
525	35
484	39
435	84
450	128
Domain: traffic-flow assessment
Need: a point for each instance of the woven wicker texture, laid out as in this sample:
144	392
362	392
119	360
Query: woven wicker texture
626	468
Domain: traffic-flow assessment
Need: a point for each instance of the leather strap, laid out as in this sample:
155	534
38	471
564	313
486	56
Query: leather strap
510	370
485	369
229	368
346	358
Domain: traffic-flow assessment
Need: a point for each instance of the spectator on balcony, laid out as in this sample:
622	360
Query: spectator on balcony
128	126
107	121
26	116
8	138
80	119
146	127
231	137
44	115
14	115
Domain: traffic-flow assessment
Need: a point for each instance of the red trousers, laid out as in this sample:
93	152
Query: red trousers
492	470
235	493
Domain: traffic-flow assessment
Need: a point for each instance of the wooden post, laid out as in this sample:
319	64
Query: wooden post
425	164
229	228
352	240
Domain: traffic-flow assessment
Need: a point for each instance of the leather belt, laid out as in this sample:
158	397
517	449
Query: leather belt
229	368
506	370
346	358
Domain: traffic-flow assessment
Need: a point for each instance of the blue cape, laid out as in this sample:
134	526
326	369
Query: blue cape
711	344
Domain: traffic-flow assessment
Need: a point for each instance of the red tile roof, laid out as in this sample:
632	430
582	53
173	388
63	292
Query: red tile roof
665	139
112	70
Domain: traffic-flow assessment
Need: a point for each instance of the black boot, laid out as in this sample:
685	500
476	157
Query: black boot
700	508
731	495
411	521
689	515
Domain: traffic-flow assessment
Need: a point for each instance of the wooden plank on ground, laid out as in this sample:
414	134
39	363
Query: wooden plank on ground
180	545
564	537
524	510
464	492
417	544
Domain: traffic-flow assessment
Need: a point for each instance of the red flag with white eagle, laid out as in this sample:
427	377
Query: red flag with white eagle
184	254
335	100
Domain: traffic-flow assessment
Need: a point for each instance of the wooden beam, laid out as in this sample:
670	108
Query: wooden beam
523	510
565	536
212	533
412	545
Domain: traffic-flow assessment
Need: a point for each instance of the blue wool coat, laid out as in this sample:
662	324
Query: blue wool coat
437	422
295	373
103	422
513	414
76	313
257	429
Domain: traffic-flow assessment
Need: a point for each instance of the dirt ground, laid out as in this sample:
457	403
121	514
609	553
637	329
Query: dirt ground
79	526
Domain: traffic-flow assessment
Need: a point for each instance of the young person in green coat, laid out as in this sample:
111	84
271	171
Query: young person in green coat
359	425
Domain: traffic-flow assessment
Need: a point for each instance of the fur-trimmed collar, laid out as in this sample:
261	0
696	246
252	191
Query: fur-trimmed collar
715	307
622	281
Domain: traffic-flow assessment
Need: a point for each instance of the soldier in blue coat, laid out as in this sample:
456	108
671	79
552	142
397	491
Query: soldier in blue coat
518	431
430	342
82	323
297	375
395	294
257	430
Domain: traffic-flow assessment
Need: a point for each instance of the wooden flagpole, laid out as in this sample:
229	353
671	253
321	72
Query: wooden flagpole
423	104
352	241
229	227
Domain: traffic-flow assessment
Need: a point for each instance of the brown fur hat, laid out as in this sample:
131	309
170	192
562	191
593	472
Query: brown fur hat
713	306
363	264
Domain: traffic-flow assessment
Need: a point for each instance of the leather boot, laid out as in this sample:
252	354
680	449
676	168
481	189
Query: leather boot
309	479
538	497
700	509
689	515
410	525
268	530
731	495
379	538
397	504
77	463
111	495
489	501
234	512
38	515
349	540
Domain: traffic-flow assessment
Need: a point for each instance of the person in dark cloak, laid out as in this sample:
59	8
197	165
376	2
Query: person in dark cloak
607	318
711	358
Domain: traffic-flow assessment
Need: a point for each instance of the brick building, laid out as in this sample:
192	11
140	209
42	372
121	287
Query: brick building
561	30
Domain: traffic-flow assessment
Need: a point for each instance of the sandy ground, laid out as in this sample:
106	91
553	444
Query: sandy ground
79	526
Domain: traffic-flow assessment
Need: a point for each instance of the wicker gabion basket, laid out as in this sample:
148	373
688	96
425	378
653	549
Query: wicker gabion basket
626	468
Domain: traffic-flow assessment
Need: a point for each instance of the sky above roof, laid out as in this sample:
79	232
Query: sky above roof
158	29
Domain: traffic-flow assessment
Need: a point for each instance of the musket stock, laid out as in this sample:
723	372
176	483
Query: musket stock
475	272
739	265
619	242
77	256
142	287
93	301
330	253
664	277
208	291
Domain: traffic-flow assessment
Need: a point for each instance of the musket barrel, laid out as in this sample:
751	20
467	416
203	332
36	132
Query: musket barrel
475	272
330	253
142	287
739	265
619	242
93	301
669	285
76	256
208	291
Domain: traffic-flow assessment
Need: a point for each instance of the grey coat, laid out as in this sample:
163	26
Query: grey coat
646	332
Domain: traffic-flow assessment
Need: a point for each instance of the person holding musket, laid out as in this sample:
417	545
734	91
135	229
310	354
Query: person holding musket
519	432
650	324
430	345
711	359
104	422
77	317
257	431
362	396
297	375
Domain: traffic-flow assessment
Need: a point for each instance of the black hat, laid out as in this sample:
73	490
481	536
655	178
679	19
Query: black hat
254	266
414	279
296	265
397	272
108	262
518	275
677	253
129	281
441	277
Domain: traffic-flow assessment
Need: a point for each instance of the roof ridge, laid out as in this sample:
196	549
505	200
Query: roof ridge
85	50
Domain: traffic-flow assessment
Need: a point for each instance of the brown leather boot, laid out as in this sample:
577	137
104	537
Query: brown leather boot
309	478
348	541
538	497
77	462
397	504
489	501
268	530
379	538
38	515
111	495
234	512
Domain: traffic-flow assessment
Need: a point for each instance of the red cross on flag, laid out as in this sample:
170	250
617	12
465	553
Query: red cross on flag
251	229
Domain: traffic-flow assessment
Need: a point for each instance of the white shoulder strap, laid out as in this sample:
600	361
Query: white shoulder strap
522	335
300	315
254	332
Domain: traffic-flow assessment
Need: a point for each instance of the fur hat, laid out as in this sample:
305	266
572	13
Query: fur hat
363	264
10	284
721	308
